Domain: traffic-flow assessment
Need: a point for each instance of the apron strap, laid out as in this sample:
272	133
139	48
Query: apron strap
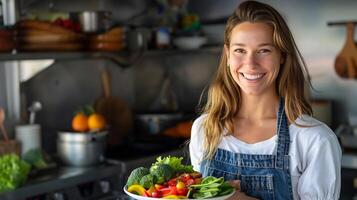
283	137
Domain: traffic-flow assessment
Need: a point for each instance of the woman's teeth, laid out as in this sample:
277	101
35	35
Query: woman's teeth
252	76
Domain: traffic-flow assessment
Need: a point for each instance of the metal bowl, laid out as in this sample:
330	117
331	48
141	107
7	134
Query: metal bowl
155	123
81	149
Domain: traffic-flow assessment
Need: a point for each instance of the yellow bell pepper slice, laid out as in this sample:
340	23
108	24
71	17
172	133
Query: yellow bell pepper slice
137	189
174	197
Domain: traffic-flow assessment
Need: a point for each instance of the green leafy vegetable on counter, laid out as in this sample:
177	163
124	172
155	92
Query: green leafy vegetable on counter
35	158
13	172
174	162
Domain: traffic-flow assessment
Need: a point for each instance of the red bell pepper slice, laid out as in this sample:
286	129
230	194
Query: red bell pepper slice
168	191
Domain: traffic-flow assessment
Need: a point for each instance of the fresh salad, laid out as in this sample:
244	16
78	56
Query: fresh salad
168	178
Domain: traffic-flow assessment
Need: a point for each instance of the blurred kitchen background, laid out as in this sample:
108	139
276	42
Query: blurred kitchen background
156	75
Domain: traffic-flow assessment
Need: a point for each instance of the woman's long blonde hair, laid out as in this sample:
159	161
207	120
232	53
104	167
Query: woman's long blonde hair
224	95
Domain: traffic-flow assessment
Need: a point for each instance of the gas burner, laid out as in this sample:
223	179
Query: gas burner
140	146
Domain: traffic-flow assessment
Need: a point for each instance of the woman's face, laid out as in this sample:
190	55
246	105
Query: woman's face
253	59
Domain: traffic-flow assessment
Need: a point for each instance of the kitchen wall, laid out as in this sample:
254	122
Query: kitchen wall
68	84
318	42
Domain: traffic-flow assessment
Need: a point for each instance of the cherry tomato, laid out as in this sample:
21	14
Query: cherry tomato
156	194
190	182
184	177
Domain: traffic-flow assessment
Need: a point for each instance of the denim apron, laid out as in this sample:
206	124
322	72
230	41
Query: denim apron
261	176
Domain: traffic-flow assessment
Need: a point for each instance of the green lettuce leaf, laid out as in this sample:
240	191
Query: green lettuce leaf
175	163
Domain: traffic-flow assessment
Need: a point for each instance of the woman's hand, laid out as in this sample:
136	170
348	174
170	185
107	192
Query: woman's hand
238	195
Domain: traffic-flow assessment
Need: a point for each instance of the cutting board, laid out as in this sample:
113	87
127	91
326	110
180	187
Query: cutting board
116	112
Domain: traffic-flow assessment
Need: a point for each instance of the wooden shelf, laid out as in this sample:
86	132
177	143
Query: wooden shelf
121	58
124	58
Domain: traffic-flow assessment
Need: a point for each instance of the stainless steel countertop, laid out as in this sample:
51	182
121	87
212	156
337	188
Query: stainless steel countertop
62	177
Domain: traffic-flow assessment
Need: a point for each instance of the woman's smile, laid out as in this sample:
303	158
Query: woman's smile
252	77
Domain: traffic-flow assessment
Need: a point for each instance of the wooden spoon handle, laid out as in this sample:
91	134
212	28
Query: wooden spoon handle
106	83
4	133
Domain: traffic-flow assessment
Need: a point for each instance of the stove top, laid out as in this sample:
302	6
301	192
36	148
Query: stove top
144	145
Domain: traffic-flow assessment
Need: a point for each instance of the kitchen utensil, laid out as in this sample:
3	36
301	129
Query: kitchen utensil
2	127
189	42
29	135
116	112
81	149
346	60
35	107
94	21
155	123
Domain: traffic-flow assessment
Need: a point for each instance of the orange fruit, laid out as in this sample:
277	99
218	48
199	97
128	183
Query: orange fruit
96	122
80	122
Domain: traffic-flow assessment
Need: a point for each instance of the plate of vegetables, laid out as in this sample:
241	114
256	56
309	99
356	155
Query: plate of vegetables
168	178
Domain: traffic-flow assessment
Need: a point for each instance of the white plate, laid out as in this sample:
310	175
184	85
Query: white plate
138	197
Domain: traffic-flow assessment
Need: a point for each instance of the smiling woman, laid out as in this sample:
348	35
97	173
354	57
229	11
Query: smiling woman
253	59
256	126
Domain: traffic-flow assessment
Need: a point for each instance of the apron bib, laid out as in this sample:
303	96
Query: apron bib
265	177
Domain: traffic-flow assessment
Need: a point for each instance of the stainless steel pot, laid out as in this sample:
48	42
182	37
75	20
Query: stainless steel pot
155	123
93	21
81	149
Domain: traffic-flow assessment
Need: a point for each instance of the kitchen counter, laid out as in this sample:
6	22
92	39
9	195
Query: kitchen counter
76	183
59	179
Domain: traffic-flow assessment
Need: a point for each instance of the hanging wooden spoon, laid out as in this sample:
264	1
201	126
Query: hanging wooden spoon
2	119
346	60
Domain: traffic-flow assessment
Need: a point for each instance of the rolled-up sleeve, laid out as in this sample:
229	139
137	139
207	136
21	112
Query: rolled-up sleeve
321	174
